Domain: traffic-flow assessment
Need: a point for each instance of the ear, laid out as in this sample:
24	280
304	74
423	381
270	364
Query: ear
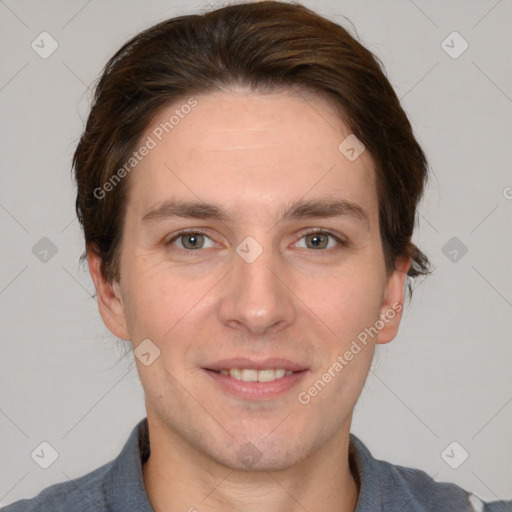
393	301
110	302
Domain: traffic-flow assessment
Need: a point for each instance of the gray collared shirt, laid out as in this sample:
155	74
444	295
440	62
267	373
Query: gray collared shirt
118	486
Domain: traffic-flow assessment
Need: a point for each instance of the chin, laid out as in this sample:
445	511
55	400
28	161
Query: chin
264	455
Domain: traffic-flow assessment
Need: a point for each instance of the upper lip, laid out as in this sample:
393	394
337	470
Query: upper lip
252	364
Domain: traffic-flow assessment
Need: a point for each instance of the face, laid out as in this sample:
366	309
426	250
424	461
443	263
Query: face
284	270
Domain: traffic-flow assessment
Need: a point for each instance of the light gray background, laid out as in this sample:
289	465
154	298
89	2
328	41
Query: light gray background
447	376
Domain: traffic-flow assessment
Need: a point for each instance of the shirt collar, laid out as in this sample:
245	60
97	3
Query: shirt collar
364	469
125	484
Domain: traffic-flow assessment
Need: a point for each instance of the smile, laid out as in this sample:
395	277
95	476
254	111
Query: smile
255	384
252	375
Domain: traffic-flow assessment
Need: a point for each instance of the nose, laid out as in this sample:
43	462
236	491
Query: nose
258	293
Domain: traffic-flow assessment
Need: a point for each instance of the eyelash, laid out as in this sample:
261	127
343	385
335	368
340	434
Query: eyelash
189	252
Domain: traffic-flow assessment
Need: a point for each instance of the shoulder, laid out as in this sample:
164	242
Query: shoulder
389	487
78	495
420	491
117	484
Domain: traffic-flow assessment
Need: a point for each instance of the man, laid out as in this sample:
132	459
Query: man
247	184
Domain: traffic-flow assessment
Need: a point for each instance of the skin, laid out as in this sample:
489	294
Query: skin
253	154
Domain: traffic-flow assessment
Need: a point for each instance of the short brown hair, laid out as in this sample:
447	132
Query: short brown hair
265	46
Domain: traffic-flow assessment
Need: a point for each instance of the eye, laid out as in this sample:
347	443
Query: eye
192	240
320	239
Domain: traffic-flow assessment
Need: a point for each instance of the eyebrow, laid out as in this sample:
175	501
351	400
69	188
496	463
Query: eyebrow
301	209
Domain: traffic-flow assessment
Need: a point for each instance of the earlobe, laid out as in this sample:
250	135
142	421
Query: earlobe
110	303
392	304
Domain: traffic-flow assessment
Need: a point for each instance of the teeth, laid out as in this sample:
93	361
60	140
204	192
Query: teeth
251	375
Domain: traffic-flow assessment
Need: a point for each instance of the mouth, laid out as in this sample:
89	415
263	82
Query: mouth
252	375
256	380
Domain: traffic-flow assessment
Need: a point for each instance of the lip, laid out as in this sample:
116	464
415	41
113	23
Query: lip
251	364
256	390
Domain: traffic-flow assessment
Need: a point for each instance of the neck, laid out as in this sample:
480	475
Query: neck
179	478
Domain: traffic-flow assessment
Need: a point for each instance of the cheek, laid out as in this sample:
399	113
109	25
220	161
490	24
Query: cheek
145	304
347	302
163	305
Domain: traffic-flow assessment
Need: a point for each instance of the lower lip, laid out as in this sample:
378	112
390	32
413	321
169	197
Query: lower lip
257	390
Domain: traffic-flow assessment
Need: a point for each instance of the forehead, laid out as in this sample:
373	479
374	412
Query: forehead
254	152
